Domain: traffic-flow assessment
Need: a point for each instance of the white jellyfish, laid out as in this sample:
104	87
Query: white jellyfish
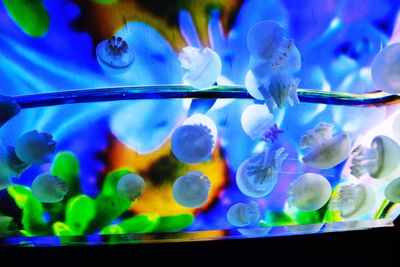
258	123
48	188
130	186
191	190
355	200
35	148
8	108
10	165
114	55
257	176
242	214
310	191
203	66
392	191
194	141
379	161
327	150
385	69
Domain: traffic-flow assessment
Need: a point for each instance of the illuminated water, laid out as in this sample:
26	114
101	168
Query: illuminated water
110	122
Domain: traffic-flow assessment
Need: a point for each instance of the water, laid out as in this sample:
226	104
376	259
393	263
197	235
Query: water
98	121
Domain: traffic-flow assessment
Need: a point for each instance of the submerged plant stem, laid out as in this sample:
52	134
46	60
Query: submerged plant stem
183	91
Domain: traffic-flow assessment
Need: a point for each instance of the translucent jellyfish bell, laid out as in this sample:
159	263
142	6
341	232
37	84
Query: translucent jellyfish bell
10	164
385	69
266	41
327	150
114	55
379	161
257	176
355	200
130	186
392	191
8	108
242	214
35	148
191	190
203	66
310	191
194	141
258	123
47	188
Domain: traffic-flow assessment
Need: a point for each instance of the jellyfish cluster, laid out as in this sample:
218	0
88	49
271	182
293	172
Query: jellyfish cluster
274	61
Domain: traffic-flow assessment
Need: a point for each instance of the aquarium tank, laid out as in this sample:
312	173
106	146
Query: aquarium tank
148	121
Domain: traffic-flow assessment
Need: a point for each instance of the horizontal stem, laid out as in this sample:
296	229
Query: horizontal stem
183	91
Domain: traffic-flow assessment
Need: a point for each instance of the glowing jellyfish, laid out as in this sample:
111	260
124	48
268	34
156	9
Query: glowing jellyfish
310	191
114	55
47	188
194	141
203	66
266	41
191	190
257	176
242	214
392	191
8	108
10	165
379	161
258	123
385	69
130	186
35	148
327	150
355	200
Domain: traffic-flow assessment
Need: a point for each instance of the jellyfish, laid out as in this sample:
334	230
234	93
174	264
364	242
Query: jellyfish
8	108
48	189
130	186
257	176
327	150
355	200
258	123
191	190
273	62
35	148
114	55
310	191
385	69
242	214
392	191
203	66
10	165
194	141
379	161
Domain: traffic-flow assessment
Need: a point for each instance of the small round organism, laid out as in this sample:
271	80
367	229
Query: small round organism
10	165
8	108
310	191
355	200
385	69
257	176
35	148
392	191
327	150
130	186
242	214
194	141
258	123
203	66
48	188
191	190
379	161
114	55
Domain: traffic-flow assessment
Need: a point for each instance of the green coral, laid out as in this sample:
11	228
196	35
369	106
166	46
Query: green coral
30	15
